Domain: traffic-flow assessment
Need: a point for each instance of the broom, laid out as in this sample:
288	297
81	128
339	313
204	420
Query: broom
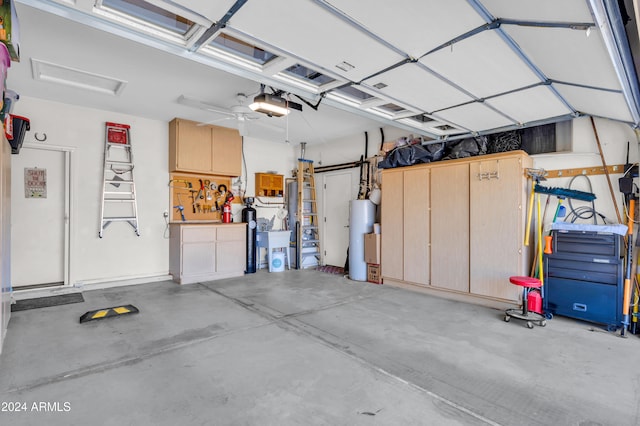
565	193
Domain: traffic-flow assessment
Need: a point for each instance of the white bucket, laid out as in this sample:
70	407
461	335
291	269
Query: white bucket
277	261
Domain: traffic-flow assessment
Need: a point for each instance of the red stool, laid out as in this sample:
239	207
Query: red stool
527	284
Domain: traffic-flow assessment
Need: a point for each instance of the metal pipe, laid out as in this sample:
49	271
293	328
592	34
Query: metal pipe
303	148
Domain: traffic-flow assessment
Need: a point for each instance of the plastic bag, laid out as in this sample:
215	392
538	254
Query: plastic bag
466	148
406	155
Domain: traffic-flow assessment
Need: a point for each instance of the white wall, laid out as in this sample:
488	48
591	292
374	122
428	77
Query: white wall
613	139
261	156
121	256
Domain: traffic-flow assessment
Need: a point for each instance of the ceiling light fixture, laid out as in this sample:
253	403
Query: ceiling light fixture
273	106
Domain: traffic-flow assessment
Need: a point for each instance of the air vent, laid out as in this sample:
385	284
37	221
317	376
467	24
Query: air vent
380	86
53	73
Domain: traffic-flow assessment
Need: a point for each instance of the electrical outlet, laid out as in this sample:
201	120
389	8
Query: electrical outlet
165	214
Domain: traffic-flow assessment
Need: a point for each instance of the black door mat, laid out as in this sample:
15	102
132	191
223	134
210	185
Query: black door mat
45	302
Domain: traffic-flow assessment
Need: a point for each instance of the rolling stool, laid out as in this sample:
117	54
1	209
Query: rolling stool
527	283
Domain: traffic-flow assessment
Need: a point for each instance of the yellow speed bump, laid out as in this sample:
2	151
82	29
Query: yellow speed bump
115	311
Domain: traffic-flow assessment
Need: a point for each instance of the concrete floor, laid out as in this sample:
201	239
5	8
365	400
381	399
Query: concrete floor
309	348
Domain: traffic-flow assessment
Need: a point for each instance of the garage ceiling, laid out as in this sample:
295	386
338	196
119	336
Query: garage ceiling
441	69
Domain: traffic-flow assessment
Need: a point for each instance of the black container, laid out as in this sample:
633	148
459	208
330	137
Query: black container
249	217
20	126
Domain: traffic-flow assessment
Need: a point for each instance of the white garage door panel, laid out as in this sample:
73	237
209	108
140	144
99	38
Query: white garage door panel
529	105
596	102
315	35
475	117
484	65
567	55
540	10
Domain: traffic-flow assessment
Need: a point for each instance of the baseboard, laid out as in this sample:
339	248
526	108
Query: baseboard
98	284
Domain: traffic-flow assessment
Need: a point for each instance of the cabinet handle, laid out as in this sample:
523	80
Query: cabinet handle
488	175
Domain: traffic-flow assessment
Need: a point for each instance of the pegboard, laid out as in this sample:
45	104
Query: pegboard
199	202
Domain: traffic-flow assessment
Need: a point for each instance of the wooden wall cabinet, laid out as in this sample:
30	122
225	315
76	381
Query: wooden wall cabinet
457	227
206	252
269	185
204	149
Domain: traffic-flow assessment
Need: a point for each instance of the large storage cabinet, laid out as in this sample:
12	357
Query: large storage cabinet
206	252
204	149
457	227
584	277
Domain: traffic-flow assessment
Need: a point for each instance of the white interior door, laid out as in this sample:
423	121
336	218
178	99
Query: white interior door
39	225
336	194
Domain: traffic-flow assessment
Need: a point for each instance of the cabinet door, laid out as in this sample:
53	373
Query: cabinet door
416	226
496	192
230	256
227	152
198	259
392	246
450	227
231	249
192	148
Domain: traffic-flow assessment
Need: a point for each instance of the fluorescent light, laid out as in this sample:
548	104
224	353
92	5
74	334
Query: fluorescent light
271	105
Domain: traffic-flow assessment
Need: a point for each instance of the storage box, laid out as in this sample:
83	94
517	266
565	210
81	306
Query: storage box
372	248
373	273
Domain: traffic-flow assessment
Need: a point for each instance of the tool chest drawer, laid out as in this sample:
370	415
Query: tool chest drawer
599	303
587	243
603	271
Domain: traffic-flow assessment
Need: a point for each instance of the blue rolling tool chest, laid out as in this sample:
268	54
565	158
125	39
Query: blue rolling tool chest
584	277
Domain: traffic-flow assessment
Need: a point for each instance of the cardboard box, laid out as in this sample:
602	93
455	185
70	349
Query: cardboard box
372	248
373	273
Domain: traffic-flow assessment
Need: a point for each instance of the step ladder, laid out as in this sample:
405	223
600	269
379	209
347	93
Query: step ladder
307	232
118	188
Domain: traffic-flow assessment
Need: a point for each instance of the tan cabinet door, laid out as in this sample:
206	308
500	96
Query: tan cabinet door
496	226
392	225
193	148
227	152
198	259
450	227
416	226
